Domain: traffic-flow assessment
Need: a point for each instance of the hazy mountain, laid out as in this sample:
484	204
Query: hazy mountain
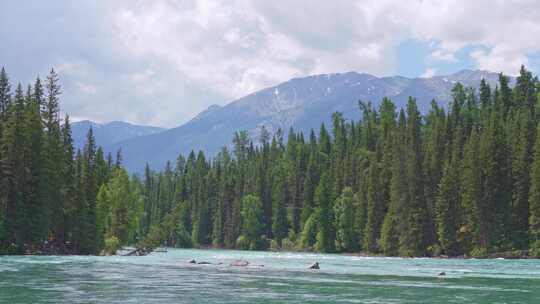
302	103
109	133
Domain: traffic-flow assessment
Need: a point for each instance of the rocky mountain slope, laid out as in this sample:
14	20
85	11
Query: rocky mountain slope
109	133
302	103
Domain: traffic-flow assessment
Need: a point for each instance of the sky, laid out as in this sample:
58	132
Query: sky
161	62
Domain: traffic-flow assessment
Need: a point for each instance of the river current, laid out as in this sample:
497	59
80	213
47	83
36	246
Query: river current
168	277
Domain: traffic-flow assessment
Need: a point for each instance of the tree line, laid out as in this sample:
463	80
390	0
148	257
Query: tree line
49	200
459	180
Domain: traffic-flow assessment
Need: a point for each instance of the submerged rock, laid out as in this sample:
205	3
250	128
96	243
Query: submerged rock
204	263
192	261
240	263
314	266
139	252
442	273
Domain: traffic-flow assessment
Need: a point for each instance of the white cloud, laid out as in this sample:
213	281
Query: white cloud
164	61
505	28
443	55
429	72
87	88
500	59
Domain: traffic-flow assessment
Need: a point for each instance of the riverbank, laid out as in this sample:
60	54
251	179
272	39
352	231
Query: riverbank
54	249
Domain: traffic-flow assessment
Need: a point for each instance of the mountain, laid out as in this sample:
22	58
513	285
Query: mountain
109	133
302	103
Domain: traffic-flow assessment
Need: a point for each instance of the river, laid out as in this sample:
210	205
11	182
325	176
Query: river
169	278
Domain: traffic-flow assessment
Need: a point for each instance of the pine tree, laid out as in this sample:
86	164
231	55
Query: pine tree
495	185
36	223
12	166
90	239
534	199
325	235
281	199
504	98
53	158
375	211
393	223
252	228
5	95
436	136
119	209
521	163
344	217
69	188
476	223
413	237
448	202
310	183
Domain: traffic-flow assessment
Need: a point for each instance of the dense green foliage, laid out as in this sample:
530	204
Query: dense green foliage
460	180
49	191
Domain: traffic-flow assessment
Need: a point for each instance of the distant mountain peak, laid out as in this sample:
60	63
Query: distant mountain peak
109	133
205	112
302	103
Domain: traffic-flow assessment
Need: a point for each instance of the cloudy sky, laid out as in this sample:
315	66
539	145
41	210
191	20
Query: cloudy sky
162	62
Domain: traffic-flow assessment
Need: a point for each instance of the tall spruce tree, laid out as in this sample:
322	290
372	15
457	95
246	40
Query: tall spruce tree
325	234
413	238
374	209
534	199
346	238
394	223
281	199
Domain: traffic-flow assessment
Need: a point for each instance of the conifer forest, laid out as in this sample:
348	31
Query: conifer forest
462	179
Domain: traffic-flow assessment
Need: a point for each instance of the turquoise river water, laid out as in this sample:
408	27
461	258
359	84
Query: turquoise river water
167	277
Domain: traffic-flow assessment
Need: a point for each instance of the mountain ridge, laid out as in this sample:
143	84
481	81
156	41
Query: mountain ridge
108	133
302	103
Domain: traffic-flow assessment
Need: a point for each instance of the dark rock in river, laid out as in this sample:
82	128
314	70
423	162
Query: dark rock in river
240	263
192	261
139	252
204	263
314	266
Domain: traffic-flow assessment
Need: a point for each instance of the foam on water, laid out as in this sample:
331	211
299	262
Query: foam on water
169	278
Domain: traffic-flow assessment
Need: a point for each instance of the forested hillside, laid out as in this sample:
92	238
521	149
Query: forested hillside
48	190
462	181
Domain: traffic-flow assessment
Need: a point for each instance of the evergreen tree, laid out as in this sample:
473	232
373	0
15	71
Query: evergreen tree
325	234
448	202
475	209
394	223
252	228
119	209
53	158
69	188
34	207
521	164
281	198
495	186
344	218
534	199
5	95
413	237
90	239
375	211
310	183
12	166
